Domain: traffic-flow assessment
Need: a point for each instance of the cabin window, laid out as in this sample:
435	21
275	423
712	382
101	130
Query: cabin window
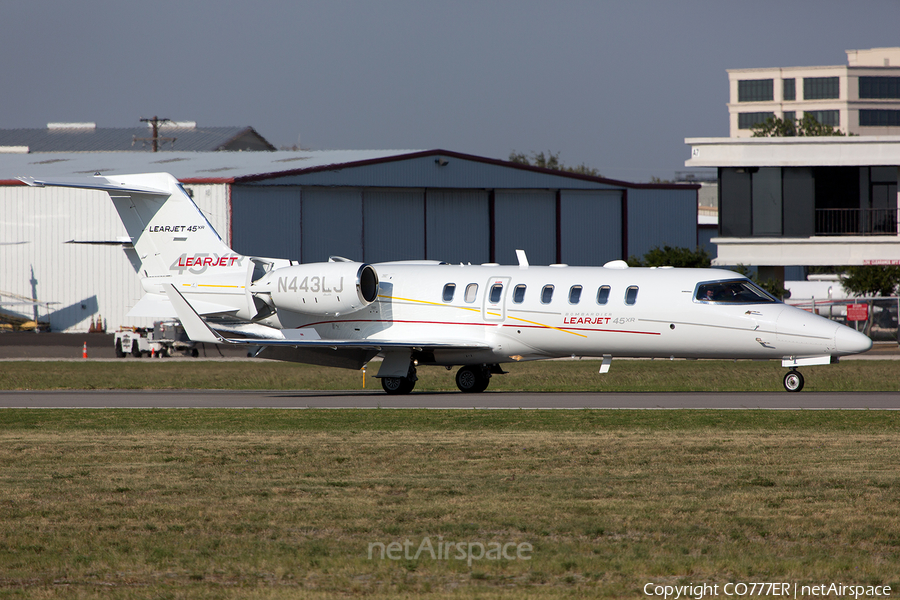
547	294
631	295
449	290
519	294
738	291
575	294
471	292
496	292
603	294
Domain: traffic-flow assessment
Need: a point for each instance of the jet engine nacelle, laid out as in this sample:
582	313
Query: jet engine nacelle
332	288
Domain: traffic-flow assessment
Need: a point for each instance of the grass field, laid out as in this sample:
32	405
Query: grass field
573	375
287	504
501	503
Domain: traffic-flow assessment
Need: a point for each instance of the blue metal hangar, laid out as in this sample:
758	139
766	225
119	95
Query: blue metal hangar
370	206
454	207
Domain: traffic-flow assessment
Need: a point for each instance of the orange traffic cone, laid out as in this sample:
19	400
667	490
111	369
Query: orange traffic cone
84	351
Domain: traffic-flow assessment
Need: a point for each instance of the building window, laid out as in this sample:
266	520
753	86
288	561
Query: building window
789	89
756	90
831	118
748	120
879	87
879	118
821	88
790	115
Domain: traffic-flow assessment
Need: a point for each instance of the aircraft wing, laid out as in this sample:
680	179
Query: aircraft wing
197	329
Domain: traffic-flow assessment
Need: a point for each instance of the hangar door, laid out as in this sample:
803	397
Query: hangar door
332	224
590	227
525	219
266	221
393	225
457	226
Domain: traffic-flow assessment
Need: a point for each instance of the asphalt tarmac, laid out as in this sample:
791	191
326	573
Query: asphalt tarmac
44	346
449	400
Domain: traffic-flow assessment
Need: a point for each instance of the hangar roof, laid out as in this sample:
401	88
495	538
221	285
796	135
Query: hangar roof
388	168
86	137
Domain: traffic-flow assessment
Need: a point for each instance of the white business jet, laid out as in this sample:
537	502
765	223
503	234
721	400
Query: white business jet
344	313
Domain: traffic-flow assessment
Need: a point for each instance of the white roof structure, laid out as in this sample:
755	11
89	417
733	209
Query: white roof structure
188	167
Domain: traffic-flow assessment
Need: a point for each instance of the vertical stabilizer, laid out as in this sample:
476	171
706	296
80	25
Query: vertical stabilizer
170	234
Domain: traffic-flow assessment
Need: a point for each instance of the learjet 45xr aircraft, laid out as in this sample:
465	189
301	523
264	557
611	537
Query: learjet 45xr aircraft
344	313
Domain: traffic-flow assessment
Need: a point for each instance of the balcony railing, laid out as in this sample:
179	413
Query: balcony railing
856	221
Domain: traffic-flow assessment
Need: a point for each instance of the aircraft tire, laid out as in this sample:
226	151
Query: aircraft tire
397	386
472	380
793	381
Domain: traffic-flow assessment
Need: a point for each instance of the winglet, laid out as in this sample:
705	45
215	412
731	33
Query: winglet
194	326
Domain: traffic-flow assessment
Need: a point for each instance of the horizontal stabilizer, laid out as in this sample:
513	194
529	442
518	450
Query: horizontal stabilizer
94	183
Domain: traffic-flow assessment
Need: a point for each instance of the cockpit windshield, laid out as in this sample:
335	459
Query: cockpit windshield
738	291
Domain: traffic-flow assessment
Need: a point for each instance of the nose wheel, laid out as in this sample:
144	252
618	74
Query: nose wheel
793	381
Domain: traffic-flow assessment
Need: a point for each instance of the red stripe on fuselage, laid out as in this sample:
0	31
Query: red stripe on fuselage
480	324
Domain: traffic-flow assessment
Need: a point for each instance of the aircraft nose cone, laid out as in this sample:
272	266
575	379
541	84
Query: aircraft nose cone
848	341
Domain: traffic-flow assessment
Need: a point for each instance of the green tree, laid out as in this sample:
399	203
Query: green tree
668	256
871	280
550	161
808	126
773	286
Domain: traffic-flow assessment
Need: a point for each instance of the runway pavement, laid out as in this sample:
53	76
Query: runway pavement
448	400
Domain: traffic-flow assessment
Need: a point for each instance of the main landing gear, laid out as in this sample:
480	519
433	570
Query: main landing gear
793	381
470	379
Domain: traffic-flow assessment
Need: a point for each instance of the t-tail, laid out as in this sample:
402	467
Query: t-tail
176	245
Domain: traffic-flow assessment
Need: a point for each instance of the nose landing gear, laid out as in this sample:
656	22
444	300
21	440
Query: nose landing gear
793	381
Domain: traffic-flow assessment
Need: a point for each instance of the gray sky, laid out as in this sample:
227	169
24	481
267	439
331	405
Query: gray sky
614	85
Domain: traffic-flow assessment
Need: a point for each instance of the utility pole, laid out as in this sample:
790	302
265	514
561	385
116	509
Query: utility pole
154	123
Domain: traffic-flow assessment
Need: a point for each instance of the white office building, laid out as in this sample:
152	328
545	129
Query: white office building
860	98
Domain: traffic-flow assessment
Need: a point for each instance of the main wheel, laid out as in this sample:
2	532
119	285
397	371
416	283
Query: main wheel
793	381
396	386
472	380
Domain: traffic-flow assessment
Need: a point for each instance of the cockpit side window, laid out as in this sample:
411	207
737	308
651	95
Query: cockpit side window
736	291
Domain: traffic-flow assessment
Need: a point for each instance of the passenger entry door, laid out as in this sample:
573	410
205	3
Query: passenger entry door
494	307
